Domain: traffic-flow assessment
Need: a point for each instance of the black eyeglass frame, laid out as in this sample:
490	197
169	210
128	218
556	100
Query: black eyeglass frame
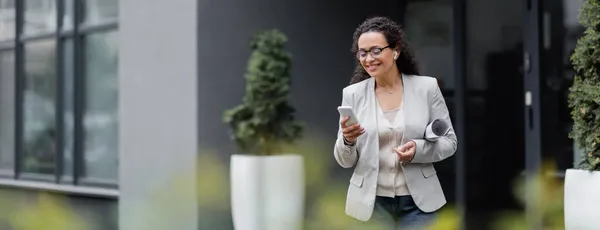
375	52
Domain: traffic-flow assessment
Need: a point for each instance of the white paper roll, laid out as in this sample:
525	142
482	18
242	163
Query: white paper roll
436	129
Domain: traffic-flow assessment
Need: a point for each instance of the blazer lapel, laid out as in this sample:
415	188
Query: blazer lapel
372	101
407	96
373	109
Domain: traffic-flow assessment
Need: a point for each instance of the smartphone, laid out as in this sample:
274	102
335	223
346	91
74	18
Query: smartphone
347	111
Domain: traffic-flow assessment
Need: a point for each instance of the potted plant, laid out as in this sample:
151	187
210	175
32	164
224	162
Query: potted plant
582	184
267	185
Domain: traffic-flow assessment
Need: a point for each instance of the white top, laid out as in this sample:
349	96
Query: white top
390	180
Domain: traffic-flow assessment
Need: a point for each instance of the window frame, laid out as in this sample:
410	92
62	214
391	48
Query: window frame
76	33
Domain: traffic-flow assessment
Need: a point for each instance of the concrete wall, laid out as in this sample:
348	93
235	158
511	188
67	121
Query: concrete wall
157	111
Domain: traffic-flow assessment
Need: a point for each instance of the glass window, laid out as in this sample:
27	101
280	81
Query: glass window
69	14
100	11
429	31
7	19
40	16
39	128
7	110
100	116
49	99
69	107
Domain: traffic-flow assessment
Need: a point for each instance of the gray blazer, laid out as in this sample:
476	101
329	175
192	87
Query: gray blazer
423	102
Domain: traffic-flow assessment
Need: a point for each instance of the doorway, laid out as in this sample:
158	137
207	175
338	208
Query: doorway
495	143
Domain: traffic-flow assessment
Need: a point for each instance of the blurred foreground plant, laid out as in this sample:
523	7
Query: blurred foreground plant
46	213
208	185
548	201
325	202
449	219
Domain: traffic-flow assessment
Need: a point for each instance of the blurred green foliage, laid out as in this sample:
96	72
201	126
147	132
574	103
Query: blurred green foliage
548	195
584	95
325	191
46	211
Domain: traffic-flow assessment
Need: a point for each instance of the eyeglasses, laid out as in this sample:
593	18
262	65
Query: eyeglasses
375	52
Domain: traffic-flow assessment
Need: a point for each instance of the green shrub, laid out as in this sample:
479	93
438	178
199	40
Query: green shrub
584	97
265	120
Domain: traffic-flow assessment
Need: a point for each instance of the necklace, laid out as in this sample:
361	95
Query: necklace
381	87
393	89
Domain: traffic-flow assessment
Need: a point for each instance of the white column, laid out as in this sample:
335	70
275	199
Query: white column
158	115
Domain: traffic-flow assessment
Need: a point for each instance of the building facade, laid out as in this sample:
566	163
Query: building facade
103	101
59	93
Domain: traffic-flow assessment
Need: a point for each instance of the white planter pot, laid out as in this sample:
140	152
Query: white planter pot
267	192
582	200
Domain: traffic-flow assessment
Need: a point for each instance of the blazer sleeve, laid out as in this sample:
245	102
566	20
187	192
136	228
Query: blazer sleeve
345	155
445	146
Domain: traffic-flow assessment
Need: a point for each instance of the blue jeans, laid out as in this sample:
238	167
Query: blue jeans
401	213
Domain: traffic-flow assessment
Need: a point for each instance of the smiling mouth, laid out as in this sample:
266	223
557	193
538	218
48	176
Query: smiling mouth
373	67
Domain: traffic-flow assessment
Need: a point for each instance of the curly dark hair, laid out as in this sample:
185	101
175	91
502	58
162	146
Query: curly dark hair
394	35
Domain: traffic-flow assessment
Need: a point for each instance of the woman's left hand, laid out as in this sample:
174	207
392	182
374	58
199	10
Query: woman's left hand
406	152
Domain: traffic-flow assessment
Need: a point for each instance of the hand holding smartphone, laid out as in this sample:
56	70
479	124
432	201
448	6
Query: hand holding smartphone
351	128
347	111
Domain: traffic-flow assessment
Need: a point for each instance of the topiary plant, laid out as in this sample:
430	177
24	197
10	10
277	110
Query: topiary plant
584	96
265	120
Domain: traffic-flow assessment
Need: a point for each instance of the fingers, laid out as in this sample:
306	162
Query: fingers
402	155
406	152
399	151
402	148
357	131
351	129
353	136
407	146
352	132
343	121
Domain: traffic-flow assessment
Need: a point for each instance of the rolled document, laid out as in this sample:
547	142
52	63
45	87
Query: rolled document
436	129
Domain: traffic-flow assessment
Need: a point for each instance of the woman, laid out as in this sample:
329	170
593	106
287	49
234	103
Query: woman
394	178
